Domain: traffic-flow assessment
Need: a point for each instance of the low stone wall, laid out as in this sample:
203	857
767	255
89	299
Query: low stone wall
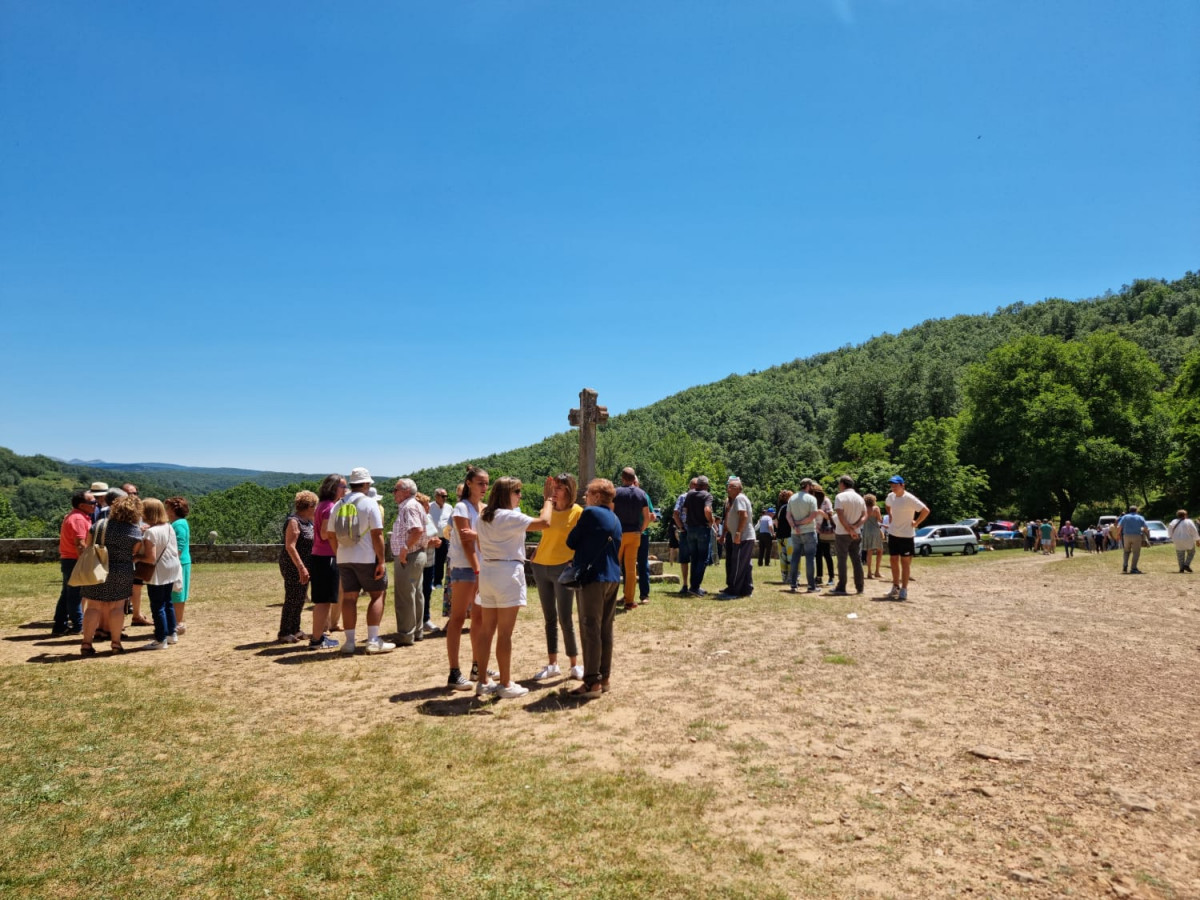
29	550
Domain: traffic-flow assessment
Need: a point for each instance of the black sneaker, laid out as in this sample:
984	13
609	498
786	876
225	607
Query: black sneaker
456	682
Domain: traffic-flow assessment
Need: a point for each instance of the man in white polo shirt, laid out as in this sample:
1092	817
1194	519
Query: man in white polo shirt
850	512
907	513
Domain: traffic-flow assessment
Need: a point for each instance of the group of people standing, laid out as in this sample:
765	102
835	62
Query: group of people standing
859	531
334	540
147	546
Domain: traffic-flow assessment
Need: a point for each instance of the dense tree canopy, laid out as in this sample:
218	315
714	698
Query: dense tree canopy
1058	423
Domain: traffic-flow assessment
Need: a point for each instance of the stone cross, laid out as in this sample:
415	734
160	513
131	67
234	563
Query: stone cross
587	417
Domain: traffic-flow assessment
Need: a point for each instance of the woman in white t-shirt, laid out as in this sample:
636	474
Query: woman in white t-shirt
501	533
160	547
463	561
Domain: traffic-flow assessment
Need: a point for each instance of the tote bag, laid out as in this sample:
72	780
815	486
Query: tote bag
92	565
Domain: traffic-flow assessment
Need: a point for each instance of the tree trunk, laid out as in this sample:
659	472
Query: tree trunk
1066	505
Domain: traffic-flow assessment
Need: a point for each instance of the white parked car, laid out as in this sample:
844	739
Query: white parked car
945	539
1158	532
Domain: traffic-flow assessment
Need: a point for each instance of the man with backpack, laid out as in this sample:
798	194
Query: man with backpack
355	532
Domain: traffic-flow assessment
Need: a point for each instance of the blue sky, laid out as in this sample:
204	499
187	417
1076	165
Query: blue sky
308	236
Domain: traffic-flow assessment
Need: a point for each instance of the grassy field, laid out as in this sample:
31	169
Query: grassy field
123	778
777	746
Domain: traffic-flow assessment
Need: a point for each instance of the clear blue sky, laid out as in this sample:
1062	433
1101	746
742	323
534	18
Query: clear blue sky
308	236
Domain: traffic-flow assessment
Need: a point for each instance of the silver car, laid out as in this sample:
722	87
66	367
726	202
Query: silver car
1158	532
945	539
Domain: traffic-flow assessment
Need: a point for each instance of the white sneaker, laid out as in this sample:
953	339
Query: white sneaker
172	638
181	628
511	691
486	687
379	645
155	645
577	673
549	671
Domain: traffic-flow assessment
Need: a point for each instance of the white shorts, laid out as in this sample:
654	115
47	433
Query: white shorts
501	584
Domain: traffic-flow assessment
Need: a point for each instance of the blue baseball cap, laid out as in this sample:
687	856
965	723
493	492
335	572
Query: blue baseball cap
895	479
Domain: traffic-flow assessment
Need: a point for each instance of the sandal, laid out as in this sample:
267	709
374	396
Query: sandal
87	650
140	620
630	606
117	648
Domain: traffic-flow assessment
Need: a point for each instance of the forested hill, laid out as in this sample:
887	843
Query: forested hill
1054	408
775	426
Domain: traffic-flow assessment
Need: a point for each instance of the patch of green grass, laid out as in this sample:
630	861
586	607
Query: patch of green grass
705	729
838	659
1143	877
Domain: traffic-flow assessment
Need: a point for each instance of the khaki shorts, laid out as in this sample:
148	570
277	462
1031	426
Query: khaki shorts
357	577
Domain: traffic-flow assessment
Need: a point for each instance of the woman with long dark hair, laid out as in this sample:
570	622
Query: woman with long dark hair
501	540
322	567
177	511
464	577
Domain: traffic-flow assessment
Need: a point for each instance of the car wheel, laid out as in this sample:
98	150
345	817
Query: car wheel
926	550
969	550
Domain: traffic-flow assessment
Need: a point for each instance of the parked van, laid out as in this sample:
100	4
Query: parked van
945	539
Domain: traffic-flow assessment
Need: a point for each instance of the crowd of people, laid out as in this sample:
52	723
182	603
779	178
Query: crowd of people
334	540
146	544
591	561
1128	533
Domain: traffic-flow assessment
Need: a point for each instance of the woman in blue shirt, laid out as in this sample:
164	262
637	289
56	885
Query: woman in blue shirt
596	540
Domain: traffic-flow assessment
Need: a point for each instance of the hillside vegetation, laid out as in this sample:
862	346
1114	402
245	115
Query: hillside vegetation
855	409
1063	408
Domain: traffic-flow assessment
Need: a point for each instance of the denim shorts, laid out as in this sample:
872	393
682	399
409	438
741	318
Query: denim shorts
463	573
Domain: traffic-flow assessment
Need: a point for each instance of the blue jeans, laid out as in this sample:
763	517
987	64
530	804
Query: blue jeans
162	610
698	540
68	614
806	544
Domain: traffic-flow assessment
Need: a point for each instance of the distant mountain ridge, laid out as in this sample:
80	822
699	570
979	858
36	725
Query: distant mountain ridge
159	467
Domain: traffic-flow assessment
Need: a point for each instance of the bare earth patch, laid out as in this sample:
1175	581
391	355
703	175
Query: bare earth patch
1024	725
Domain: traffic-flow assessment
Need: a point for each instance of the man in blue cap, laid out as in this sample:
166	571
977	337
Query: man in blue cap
907	512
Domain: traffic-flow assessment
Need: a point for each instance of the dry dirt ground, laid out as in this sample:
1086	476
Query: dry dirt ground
839	748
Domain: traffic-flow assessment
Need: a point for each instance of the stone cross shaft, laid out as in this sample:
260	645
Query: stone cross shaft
587	417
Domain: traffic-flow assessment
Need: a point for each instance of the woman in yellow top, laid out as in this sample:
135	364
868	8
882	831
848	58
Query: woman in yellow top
552	556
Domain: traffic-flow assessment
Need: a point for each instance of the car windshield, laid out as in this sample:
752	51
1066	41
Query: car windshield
924	532
1156	526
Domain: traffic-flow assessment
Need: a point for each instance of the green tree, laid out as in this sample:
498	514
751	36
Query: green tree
9	523
1183	464
929	460
36	499
1063	421
869	447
